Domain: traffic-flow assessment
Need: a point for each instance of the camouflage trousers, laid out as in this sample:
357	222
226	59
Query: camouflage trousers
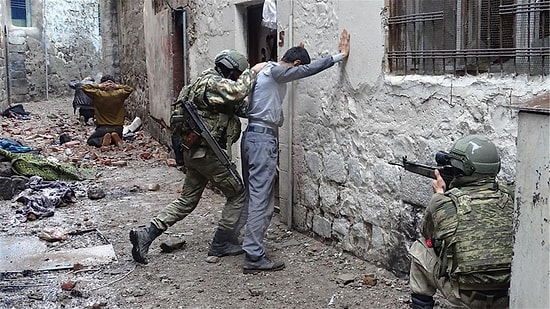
424	280
202	167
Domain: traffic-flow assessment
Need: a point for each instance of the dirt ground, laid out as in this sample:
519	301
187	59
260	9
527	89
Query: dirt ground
139	180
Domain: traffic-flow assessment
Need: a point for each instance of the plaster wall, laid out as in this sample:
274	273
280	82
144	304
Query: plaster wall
63	43
158	48
531	261
349	121
345	124
133	57
205	39
73	42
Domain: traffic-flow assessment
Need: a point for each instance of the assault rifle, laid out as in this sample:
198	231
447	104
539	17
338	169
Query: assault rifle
198	127
444	167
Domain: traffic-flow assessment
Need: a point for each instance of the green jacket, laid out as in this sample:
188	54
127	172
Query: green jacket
108	104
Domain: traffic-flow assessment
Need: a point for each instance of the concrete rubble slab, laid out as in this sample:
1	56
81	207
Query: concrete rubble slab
30	253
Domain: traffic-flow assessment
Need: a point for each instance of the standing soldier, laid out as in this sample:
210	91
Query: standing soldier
219	94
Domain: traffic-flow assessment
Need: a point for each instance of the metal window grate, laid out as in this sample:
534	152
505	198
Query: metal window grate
469	37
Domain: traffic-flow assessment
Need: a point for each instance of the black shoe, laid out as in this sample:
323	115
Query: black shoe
222	246
263	263
141	240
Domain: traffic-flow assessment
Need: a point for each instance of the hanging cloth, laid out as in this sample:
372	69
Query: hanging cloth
269	14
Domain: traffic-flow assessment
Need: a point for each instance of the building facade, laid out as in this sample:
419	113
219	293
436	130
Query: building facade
343	126
45	44
417	78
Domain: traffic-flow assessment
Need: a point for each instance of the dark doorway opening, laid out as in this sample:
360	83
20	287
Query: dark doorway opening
262	41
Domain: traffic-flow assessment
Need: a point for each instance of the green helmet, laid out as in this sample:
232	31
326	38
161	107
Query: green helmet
232	60
475	155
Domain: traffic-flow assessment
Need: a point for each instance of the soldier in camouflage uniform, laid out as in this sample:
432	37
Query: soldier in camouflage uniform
219	95
465	250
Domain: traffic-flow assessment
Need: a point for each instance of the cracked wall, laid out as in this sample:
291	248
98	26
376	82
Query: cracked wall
345	124
62	43
3	65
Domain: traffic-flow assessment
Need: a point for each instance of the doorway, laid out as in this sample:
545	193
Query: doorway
262	41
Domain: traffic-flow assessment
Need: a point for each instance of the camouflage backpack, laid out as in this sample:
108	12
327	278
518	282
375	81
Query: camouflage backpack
224	126
478	255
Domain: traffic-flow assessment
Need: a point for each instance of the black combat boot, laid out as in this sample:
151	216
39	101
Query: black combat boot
421	301
255	264
222	244
233	237
141	240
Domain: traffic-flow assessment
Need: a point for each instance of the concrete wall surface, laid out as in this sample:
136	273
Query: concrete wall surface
62	43
4	103
125	54
530	284
158	49
345	124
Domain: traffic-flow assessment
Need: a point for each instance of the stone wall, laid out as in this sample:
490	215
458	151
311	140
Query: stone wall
125	53
345	124
62	44
73	41
3	67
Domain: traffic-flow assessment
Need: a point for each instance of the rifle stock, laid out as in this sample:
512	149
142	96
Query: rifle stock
198	126
447	172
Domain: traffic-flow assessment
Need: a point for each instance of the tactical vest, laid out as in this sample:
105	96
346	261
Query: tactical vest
224	126
479	253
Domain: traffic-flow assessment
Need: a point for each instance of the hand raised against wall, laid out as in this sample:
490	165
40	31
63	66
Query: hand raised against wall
344	44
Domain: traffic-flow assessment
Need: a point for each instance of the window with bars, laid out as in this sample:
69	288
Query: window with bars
461	37
21	13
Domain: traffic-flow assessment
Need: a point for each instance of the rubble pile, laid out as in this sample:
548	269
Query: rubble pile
61	138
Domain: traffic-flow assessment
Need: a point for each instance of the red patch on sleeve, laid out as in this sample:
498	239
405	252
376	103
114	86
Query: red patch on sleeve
429	243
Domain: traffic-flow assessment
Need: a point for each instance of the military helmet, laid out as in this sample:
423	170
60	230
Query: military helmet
475	155
232	60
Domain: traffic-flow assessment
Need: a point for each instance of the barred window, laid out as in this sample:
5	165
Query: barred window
21	13
469	37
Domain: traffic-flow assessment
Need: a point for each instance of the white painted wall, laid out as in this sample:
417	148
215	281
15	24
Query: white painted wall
530	286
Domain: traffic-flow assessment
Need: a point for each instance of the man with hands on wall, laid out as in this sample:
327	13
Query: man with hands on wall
259	145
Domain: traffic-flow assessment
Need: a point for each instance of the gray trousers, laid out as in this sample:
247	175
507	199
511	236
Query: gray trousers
259	154
201	169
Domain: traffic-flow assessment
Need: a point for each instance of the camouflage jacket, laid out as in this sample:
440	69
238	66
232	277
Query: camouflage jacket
471	230
220	101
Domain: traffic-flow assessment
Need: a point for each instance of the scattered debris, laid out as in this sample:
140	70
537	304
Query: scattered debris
116	280
96	193
68	285
52	234
172	246
345	278
212	259
370	280
153	187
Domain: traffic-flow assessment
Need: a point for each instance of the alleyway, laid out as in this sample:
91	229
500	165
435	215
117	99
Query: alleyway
138	180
